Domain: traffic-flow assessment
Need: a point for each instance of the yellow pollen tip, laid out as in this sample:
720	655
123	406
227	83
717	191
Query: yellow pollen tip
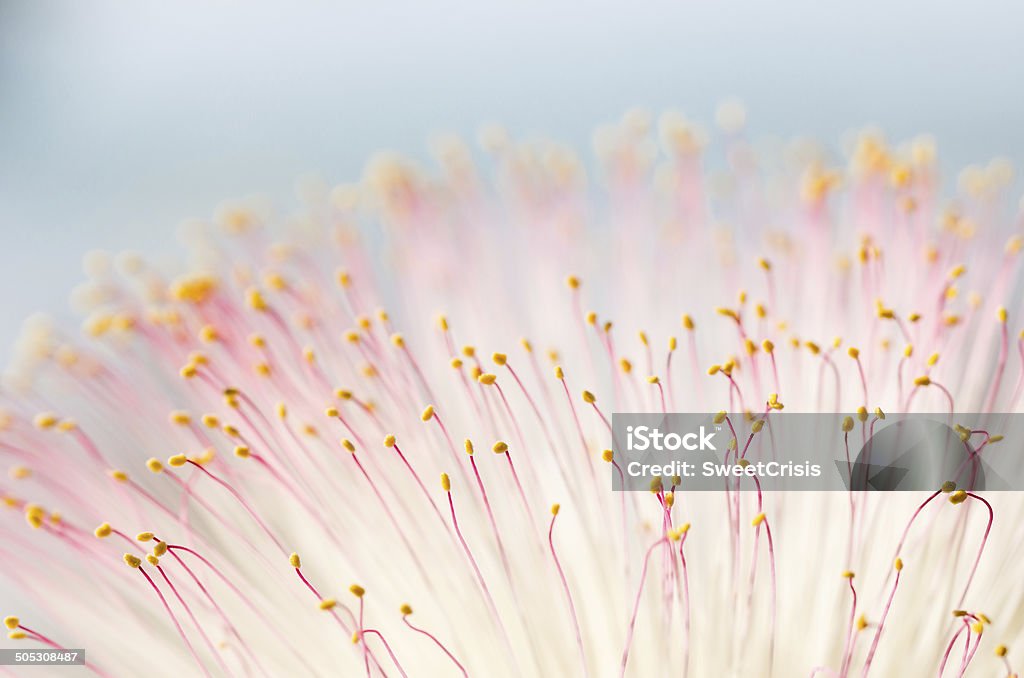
958	497
103	531
760	518
468	351
848	575
118	475
862	623
588	397
152	560
144	536
328	603
948	486
446	483
11	622
898	564
853	352
177	460
500	359
16	635
847	424
331	411
487	379
469	446
653	379
607	455
188	371
154	465
132	561
160	548
1000	650
554	509
924	380
347	444
688	323
573	282
242	452
559	374
428	413
389	441
499	447
406	610
295	561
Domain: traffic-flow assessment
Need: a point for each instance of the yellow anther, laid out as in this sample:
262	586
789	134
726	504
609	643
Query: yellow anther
607	455
626	366
131	561
442	322
160	548
720	417
983	618
188	371
242	452
11	622
588	397
757	426
282	410
230	430
398	340
862	414
19	472
559	374
475	372
1000	650
554	509
328	603
728	313
848	574
45	420
958	497
853	352
177	460
295	561
363	322
591	318
428	413
65	425
847	424
957	271
749	346
487	379
446	483
862	623
688	322
180	418
714	369
670	499
389	440
914	317
672	343
1001	315
103	531
978	628
812	347
573	282
933	359
923	380
118	475
469	446
344	279
764	263
948	486
255	300
653	379
152	560
352	337
643	337
879	413
331	412
456	363
908	350
347	444
898	564
16	635
499	447
527	346
768	346
208	334
144	536
960	613
405	609
468	351
995	438
758	520
500	359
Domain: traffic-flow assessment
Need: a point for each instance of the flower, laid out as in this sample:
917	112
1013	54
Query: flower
304	426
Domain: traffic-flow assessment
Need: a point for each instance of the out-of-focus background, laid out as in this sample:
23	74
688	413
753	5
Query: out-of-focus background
119	119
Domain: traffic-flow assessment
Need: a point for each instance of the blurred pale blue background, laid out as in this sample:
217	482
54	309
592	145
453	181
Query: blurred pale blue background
118	119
